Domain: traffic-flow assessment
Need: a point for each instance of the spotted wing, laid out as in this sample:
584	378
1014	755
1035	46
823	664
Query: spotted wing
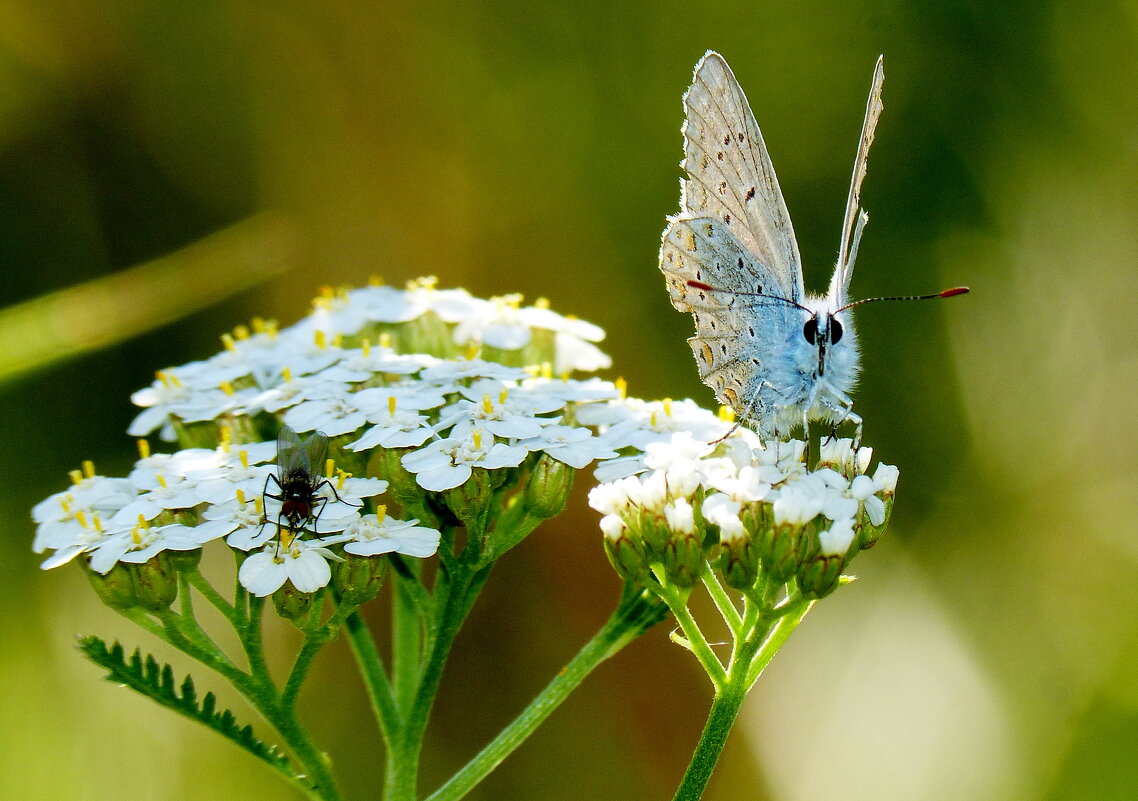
730	176
740	330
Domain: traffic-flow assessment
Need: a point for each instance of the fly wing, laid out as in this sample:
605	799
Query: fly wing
292	457
730	176
855	218
316	447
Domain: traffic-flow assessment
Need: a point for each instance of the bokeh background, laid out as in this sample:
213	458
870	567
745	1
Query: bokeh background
170	169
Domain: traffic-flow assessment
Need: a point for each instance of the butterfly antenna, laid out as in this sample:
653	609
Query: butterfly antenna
708	288
947	293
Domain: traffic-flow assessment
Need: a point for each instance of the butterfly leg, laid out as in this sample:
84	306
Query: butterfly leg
748	413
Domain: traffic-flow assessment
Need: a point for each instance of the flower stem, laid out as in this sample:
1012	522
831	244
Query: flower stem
765	634
637	611
459	589
375	677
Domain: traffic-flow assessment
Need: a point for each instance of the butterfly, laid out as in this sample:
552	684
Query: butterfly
778	357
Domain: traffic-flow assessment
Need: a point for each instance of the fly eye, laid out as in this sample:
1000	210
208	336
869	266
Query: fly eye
810	330
835	330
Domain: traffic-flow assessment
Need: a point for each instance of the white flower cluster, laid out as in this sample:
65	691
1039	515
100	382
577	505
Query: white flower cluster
372	369
359	338
181	501
750	494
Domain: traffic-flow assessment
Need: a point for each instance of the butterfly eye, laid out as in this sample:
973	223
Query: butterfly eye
835	330
810	330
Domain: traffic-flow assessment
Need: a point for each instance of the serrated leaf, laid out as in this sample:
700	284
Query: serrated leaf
157	682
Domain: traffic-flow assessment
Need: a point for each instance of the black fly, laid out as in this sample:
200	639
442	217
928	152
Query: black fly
301	503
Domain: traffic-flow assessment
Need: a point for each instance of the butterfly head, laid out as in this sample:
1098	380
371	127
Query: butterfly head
828	331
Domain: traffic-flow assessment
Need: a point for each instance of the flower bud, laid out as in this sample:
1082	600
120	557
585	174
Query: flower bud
115	588
683	553
470	501
548	487
625	550
828	554
779	548
156	582
291	603
358	578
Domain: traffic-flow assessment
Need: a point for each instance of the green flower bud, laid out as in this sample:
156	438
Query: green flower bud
470	501
825	555
548	487
869	534
115	588
185	561
358	578
157	582
779	548
683	555
737	563
625	550
291	603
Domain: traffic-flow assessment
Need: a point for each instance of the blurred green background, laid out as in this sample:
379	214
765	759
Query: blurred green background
193	164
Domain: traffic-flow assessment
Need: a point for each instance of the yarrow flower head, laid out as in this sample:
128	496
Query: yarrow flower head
751	512
452	407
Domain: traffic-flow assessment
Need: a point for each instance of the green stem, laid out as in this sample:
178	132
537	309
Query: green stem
752	655
207	591
696	642
724	710
406	640
461	589
375	677
637	612
723	602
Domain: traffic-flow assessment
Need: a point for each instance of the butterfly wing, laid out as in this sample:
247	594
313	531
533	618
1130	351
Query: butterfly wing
730	176
739	332
855	218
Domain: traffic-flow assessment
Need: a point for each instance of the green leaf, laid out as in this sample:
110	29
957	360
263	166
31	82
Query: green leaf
157	682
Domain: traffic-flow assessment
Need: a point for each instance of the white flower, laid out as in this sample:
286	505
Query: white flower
680	516
378	534
724	512
281	392
798	503
240	519
64	517
139	543
865	489
303	562
613	498
361	364
449	372
233	471
332	414
885	476
573	446
190	392
505	411
572	353
836	540
752	483
613	526
448	463
173	492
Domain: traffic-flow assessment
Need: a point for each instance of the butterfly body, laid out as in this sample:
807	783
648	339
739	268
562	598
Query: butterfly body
778	357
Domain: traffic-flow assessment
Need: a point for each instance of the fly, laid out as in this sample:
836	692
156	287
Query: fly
300	498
